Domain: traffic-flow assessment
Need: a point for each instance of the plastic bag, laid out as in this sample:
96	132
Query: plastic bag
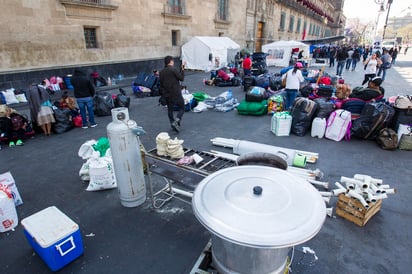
101	174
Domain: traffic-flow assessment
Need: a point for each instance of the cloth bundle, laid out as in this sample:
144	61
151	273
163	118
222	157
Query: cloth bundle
161	143
169	147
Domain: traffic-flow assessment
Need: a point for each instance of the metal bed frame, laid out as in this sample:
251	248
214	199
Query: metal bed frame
180	179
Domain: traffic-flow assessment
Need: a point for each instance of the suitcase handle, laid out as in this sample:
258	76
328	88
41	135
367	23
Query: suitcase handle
58	247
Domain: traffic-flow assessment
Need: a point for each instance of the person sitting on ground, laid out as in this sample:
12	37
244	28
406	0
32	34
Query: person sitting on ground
68	102
12	126
373	91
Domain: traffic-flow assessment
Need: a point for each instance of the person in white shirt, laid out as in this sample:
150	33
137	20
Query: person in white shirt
371	65
293	79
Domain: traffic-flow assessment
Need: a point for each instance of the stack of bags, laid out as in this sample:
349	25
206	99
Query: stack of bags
169	147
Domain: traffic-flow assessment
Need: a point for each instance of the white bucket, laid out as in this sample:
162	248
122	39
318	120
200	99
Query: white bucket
8	213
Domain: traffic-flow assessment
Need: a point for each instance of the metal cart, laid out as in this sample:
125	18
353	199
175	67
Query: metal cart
180	180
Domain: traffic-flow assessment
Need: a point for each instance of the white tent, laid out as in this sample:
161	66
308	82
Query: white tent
279	53
209	52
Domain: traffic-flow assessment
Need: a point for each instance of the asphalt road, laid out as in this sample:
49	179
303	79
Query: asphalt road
169	240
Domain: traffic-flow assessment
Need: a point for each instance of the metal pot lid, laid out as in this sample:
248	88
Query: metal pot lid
259	206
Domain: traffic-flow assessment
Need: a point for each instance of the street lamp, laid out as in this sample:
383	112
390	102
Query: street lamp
382	9
386	20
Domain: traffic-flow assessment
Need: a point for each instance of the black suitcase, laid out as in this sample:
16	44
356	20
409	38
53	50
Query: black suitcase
402	116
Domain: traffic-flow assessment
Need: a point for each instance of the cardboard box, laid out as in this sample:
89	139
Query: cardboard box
54	237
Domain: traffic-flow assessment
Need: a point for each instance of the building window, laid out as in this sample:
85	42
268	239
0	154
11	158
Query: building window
223	8
298	25
282	21
176	6
90	37
175	37
291	23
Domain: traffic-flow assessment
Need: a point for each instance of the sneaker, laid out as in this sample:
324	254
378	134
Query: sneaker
12	144
19	143
85	127
94	125
175	126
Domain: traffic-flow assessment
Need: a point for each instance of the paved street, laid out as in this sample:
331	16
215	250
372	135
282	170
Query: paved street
169	240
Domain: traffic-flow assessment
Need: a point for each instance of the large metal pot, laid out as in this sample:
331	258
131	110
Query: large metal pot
256	214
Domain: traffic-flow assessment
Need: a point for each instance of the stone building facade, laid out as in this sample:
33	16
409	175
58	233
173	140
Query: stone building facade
50	37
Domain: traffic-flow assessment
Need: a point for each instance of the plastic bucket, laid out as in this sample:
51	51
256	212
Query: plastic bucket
8	216
68	81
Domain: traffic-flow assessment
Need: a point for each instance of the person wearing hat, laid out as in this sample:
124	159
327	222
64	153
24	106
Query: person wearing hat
170	89
293	79
12	126
374	91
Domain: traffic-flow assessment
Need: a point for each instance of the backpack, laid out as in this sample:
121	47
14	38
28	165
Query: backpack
374	117
338	125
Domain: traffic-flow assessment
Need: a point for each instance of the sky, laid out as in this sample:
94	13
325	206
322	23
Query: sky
368	9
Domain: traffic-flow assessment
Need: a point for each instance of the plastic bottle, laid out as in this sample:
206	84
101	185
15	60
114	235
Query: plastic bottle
109	81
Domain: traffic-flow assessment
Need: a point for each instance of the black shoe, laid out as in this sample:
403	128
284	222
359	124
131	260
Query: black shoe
175	126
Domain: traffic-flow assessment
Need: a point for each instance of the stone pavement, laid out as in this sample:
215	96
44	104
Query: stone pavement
169	240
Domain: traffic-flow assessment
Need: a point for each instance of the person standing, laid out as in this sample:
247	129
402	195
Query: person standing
84	91
394	55
247	65
332	56
386	63
170	89
41	107
293	79
370	67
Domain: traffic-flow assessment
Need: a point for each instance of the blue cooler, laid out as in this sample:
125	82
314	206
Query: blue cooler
54	237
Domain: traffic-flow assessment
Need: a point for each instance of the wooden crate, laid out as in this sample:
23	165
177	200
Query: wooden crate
351	209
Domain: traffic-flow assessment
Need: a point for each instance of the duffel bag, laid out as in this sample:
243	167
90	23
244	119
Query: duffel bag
256	94
403	101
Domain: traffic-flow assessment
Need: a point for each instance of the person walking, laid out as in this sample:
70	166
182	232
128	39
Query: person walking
370	67
386	64
84	90
170	89
355	59
341	56
293	79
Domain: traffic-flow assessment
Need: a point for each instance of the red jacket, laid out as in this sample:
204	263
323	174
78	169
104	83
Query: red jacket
247	63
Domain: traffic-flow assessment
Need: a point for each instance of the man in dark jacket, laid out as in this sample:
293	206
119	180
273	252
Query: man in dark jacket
84	91
170	89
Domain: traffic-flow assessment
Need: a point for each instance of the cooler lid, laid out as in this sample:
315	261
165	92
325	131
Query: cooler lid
259	206
49	226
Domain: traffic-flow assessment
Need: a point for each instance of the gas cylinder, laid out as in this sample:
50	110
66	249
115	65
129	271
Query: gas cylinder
127	161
